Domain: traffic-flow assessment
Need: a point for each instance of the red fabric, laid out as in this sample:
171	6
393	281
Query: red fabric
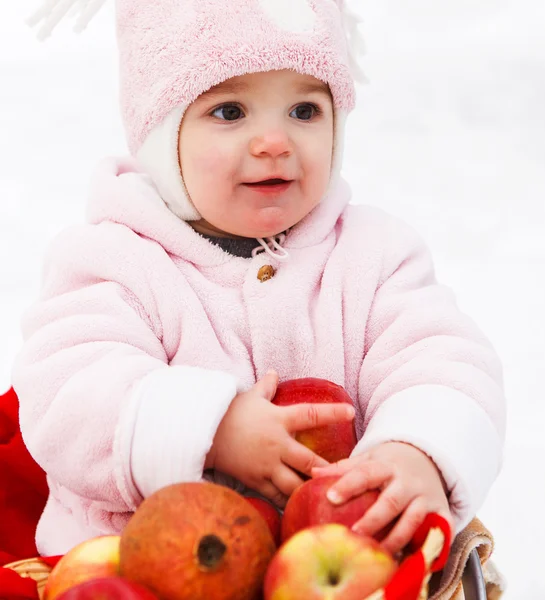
14	587
23	492
433	520
407	581
23	487
50	560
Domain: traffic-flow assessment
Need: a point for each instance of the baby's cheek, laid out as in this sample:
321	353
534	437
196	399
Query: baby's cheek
211	162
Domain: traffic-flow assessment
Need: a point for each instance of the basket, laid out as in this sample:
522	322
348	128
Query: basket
32	568
429	552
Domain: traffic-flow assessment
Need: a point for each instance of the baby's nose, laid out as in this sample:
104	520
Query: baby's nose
273	142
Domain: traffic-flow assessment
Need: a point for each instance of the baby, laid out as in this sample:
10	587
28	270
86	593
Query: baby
224	254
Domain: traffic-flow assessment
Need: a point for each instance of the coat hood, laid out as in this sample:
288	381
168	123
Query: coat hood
122	192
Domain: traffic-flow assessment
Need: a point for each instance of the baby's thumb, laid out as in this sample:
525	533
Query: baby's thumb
267	384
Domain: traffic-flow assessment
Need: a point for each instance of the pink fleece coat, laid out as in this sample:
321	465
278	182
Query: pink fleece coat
145	331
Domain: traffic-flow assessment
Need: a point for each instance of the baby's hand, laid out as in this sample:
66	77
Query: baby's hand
410	483
255	444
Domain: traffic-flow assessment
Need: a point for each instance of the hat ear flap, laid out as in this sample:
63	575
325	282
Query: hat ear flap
53	11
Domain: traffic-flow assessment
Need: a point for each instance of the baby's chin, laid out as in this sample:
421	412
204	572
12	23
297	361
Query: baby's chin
264	222
268	222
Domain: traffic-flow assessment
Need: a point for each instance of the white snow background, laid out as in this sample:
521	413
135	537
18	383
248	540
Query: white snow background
449	134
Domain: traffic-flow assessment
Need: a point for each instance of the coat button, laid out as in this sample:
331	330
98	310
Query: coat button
265	273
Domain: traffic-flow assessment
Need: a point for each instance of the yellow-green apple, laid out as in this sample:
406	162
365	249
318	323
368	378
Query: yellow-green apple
328	562
94	558
270	513
332	442
197	540
108	588
308	506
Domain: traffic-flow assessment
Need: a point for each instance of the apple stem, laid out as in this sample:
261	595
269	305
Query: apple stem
210	551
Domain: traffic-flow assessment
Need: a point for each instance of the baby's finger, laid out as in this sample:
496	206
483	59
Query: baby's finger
338	468
366	476
270	491
286	480
390	504
266	386
301	458
308	416
404	530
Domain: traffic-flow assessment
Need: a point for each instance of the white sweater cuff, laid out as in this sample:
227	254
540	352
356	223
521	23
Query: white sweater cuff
453	430
170	425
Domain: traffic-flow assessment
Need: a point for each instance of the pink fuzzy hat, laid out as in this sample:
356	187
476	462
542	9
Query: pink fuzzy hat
171	51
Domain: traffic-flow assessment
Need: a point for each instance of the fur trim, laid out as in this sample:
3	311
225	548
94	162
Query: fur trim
158	155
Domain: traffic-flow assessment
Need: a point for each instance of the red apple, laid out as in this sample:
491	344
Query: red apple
332	442
92	559
309	506
270	513
108	588
328	562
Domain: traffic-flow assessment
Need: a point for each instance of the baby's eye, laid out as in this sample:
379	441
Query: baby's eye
228	112
305	112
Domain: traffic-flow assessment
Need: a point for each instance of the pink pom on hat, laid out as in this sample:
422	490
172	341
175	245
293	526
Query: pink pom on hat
171	51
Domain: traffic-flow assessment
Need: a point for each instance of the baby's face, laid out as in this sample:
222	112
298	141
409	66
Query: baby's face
276	125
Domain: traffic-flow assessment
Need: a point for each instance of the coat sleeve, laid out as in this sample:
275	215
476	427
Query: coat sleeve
101	409
429	377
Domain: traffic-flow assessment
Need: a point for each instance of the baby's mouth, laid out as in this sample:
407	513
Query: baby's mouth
268	187
269	182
